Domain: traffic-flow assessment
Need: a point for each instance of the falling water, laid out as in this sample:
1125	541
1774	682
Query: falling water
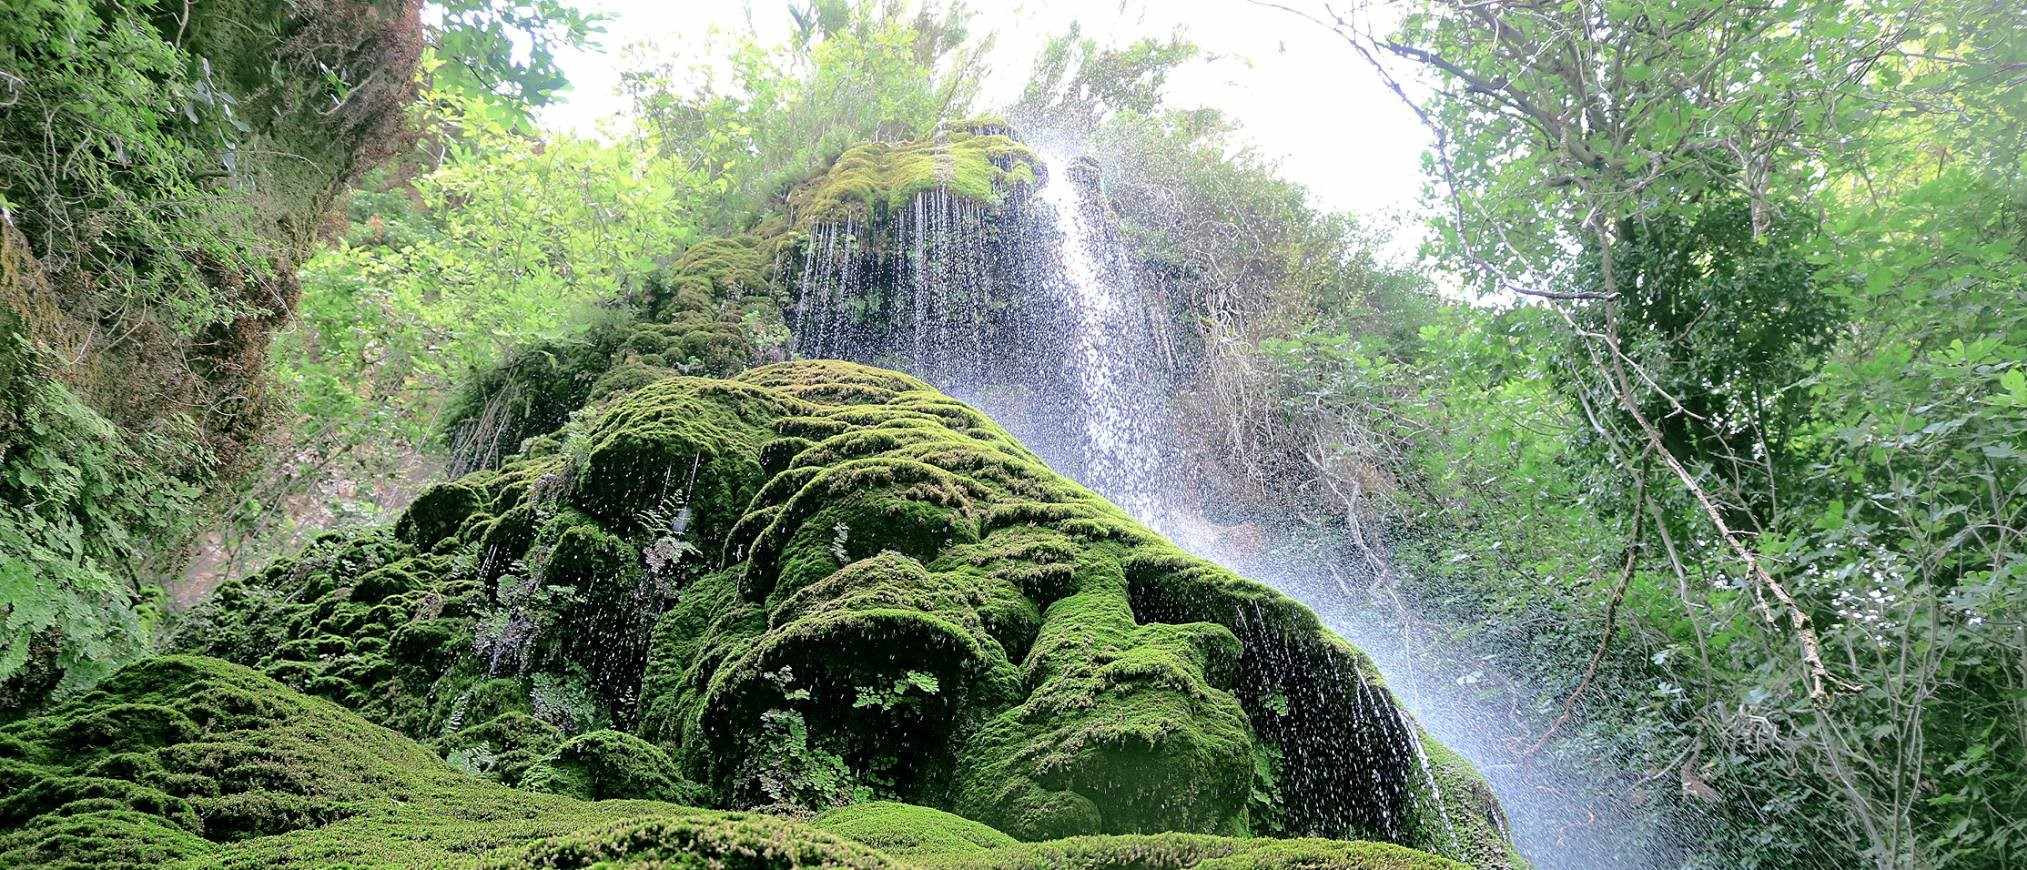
1121	410
1039	296
915	289
479	442
1561	820
1429	776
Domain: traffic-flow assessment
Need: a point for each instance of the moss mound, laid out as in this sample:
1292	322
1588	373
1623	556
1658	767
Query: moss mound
818	585
724	841
976	161
611	764
904	830
188	761
698	319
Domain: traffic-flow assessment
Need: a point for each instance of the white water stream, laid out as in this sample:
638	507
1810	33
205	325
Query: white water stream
1119	419
1051	310
1122	422
1558	819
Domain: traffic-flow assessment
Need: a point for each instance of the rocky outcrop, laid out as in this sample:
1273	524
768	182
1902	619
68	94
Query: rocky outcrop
854	617
817	584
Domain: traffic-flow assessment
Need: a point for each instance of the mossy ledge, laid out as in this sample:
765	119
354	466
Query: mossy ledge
820	585
976	160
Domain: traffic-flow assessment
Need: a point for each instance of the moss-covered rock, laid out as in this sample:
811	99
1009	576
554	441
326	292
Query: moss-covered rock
727	303
820	584
905	830
254	774
610	764
534	391
502	747
1126	731
976	160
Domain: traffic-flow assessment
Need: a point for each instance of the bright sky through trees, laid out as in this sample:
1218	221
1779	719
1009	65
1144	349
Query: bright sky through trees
1348	139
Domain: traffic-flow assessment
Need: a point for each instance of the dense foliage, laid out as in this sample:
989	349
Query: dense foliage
506	240
1757	429
1691	451
164	172
161	174
856	72
539	236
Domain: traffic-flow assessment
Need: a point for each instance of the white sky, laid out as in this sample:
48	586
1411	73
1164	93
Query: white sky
1301	95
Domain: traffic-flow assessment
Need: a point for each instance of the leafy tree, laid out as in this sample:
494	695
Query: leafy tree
1724	322
506	51
509	240
1076	84
856	72
1774	240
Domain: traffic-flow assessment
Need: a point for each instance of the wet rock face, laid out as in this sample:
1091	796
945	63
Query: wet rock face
927	255
820	583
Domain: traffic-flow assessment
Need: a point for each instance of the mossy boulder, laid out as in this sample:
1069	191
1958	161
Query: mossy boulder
712	313
820	584
605	764
228	754
727	303
501	747
1125	732
905	830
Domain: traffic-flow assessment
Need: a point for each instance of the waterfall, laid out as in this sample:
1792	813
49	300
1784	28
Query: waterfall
914	289
480	442
1030	311
1429	776
1122	411
1127	454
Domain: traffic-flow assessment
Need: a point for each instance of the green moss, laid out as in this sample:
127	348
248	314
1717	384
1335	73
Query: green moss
100	838
275	778
904	830
1456	815
503	746
272	777
879	663
1166	851
822	584
437	513
700	842
711	313
1329	708
601	765
125	726
244	756
879	177
689	642
682	440
1123	733
727	281
533	392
